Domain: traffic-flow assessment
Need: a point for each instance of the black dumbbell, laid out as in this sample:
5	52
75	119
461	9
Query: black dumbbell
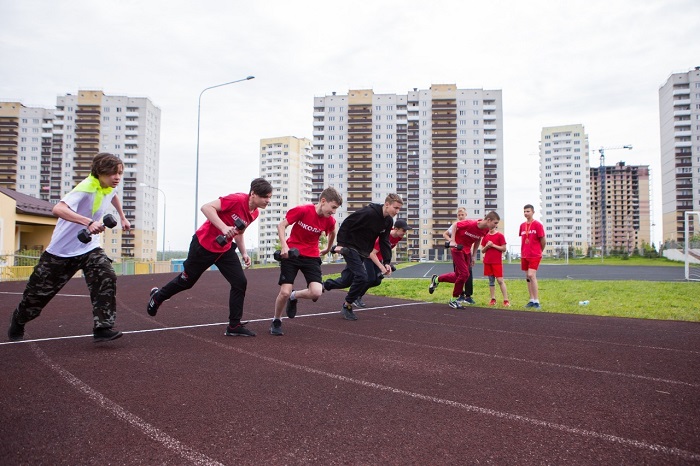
108	220
240	226
292	254
342	251
459	247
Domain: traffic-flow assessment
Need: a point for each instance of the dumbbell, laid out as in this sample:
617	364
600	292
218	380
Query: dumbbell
240	226
292	254
459	247
342	251
108	220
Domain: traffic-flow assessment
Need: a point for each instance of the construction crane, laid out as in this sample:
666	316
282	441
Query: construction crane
603	213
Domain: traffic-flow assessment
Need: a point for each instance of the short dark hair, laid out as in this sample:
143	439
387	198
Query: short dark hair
493	215
529	206
261	187
105	163
331	195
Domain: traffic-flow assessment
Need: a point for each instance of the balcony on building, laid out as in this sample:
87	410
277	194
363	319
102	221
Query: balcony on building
444	105
87	111
444	116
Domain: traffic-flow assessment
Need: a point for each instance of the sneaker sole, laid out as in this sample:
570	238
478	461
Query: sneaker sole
237	335
104	339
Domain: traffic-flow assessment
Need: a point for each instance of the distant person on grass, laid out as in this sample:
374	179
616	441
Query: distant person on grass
466	296
82	208
493	246
308	222
532	244
206	251
356	237
374	264
467	234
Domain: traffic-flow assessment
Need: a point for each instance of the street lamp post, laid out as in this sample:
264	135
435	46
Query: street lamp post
199	113
164	212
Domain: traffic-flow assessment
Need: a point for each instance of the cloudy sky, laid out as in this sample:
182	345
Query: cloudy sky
595	62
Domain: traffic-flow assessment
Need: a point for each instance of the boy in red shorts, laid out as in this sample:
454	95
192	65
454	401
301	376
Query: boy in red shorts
493	246
308	222
532	244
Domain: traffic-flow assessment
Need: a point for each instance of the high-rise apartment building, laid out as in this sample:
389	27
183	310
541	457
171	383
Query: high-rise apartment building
565	189
26	137
627	207
66	140
679	114
286	163
438	148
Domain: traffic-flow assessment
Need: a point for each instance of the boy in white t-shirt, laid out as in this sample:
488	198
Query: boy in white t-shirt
82	208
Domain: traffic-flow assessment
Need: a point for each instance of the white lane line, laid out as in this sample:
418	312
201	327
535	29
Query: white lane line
58	295
185	327
400	342
670	451
120	413
541	335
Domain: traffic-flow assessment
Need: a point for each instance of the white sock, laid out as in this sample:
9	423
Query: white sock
293	295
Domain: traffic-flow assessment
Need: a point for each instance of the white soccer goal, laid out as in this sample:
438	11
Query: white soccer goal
692	249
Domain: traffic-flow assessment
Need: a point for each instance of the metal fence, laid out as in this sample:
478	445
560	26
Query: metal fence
20	265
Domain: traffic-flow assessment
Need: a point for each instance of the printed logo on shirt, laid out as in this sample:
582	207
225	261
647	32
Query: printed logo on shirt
309	227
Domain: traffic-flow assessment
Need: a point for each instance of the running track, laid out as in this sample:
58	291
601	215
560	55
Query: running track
408	383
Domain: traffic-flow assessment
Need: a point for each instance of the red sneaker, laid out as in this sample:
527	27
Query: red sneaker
492	302
506	303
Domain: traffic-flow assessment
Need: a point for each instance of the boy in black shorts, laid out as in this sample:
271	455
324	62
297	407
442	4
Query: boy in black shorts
308	222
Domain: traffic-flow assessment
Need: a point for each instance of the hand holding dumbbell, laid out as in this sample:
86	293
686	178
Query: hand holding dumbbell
239	227
459	247
108	221
293	253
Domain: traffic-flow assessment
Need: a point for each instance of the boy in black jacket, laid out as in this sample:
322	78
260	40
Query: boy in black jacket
356	238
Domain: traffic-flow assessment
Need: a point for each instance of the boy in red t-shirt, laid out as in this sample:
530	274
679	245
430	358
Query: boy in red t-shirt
467	233
532	244
493	246
308	222
206	250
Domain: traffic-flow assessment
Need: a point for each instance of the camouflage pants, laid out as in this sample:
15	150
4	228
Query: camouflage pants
53	272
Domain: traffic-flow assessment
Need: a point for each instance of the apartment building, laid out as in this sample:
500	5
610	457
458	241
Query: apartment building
679	115
626	225
565	189
26	137
286	163
438	148
66	139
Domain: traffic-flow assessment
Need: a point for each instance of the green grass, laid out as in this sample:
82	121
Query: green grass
635	299
632	260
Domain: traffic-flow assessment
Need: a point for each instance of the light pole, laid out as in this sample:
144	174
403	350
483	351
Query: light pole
196	175
164	211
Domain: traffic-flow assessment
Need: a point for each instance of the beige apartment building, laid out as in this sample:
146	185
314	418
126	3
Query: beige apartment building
439	148
44	153
627	207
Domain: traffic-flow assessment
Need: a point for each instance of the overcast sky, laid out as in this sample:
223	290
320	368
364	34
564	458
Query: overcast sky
599	63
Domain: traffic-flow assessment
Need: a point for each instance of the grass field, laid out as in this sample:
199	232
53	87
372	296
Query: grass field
635	299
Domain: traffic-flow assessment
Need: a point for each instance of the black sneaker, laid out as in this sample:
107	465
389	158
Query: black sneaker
359	303
291	308
238	331
276	328
105	334
16	330
346	312
433	284
153	305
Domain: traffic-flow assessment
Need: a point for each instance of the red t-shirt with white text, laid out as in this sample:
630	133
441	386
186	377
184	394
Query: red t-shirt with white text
530	234
468	232
233	206
307	227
